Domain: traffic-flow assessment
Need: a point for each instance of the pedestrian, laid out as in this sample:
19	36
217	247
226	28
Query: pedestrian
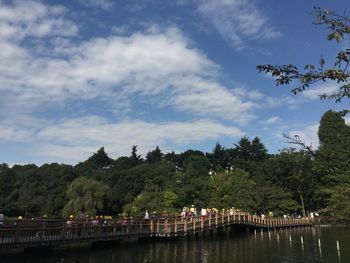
2	217
146	215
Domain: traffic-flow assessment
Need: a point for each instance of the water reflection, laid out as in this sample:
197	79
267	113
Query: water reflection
292	245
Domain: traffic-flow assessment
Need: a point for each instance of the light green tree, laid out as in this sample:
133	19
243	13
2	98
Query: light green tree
85	196
234	188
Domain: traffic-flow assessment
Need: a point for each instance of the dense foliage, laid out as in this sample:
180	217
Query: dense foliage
327	171
244	176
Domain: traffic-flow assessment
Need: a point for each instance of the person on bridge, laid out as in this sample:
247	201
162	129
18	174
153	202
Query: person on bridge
2	217
146	215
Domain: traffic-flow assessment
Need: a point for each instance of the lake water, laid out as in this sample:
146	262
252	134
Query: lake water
292	245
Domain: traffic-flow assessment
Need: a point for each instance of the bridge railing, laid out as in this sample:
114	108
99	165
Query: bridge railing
51	231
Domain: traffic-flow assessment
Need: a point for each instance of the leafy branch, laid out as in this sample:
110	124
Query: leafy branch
338	71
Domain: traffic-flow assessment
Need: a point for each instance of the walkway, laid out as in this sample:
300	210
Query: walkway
27	234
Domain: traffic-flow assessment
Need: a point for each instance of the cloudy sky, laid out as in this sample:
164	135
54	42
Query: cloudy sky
76	75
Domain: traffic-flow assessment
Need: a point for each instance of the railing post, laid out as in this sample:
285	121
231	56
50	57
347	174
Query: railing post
99	227
165	229
185	226
18	232
209	221
151	227
175	227
42	230
114	227
216	219
63	231
202	222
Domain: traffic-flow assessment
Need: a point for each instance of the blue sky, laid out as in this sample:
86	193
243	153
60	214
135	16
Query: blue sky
81	74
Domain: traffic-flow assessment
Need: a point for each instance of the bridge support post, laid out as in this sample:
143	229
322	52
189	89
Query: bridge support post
166	228
175	227
151	227
158	226
18	232
64	230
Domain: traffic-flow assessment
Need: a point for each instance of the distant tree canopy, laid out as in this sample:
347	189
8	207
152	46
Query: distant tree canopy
244	176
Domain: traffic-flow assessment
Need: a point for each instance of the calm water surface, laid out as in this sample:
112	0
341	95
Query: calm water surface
295	245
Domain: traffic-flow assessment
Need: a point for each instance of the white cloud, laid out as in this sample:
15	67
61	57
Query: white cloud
44	67
272	120
113	69
73	140
237	20
286	101
308	135
33	19
205	97
315	93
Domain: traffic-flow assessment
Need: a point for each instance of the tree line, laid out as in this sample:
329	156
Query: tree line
245	176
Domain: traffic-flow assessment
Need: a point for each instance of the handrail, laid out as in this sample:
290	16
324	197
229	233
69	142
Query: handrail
57	231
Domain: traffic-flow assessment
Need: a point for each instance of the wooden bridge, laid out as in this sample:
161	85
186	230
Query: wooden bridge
48	233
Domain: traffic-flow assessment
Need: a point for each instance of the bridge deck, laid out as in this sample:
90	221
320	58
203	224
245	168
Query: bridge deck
41	233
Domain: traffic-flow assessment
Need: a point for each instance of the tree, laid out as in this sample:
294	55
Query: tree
293	170
86	196
96	162
339	71
332	165
275	199
220	158
333	130
197	165
248	155
338	203
234	188
135	159
334	151
154	156
170	200
7	181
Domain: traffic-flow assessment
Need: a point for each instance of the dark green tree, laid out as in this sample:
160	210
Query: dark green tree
332	164
135	159
292	170
97	161
154	156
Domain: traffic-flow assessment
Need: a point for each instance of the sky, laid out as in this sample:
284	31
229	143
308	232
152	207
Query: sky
77	75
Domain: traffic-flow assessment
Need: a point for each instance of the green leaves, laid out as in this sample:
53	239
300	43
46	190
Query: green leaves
339	71
87	196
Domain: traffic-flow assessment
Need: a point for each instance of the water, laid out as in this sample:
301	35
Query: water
284	246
